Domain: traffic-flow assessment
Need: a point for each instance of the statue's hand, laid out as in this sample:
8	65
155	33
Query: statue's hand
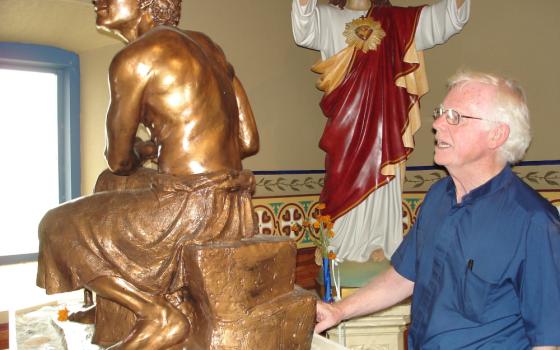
145	150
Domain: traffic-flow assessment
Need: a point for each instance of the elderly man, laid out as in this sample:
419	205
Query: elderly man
373	77
482	262
127	245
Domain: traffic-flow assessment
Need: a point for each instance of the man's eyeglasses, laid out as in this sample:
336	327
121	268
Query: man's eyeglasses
451	116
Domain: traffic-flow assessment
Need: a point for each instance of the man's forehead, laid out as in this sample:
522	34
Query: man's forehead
474	89
471	93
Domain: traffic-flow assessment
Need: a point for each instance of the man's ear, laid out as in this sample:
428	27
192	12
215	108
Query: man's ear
498	135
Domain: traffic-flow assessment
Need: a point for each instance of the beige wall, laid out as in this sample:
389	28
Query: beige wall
505	36
94	103
515	38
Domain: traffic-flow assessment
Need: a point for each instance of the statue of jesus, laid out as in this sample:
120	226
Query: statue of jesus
372	73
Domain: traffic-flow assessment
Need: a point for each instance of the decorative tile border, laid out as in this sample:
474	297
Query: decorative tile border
422	180
276	216
541	175
288	183
285	198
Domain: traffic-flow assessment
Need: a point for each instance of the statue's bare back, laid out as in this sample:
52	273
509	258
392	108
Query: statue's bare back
180	86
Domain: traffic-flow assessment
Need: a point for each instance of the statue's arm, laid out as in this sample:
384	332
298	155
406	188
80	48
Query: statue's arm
306	23
440	21
123	117
248	134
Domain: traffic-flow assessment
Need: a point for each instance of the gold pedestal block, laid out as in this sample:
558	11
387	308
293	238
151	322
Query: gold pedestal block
284	323
240	296
232	278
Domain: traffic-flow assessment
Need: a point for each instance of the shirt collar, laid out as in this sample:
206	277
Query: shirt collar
493	185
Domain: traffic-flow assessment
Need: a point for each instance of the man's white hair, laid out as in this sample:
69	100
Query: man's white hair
510	108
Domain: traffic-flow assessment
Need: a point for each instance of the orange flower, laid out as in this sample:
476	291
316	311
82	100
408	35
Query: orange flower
321	206
332	255
330	225
295	228
316	224
306	223
331	234
63	314
325	218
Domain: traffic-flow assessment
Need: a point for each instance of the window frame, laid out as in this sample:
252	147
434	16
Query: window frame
66	65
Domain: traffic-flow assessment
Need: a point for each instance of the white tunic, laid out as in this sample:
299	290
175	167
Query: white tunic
377	221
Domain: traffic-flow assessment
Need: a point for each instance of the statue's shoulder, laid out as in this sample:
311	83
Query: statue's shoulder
205	42
159	33
159	36
203	39
167	34
198	36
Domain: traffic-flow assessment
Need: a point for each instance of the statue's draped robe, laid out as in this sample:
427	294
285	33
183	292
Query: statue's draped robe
138	226
372	113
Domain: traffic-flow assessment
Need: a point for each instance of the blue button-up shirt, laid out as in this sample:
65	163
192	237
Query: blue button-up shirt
486	270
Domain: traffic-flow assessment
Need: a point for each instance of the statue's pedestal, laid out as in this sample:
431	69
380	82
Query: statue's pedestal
240	295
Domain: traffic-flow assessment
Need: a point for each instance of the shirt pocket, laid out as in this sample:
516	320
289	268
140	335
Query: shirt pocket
474	295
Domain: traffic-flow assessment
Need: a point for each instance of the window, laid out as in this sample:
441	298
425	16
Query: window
39	107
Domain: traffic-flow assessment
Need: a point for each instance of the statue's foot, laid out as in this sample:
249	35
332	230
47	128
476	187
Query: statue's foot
86	316
161	327
378	255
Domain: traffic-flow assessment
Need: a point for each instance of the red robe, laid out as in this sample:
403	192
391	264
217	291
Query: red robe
368	114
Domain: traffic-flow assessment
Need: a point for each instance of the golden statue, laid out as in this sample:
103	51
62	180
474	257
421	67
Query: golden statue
169	252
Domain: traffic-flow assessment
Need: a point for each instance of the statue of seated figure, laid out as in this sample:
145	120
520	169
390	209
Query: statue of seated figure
145	241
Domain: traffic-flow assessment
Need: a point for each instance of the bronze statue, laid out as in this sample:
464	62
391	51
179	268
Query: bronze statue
146	239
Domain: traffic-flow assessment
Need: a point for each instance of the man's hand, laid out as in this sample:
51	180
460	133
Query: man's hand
386	290
328	315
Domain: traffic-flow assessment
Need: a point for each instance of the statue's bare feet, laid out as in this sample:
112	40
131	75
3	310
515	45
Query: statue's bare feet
378	255
160	327
86	316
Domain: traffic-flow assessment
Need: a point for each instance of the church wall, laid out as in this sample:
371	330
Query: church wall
508	38
95	101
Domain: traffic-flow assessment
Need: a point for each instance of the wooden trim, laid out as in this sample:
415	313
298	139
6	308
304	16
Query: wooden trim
4	336
306	269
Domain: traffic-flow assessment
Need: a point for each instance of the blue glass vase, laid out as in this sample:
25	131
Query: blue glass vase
327	296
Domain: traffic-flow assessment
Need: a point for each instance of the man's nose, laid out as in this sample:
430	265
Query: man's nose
437	123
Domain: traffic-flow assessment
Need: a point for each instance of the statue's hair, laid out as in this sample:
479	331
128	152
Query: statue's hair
510	108
163	12
376	3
